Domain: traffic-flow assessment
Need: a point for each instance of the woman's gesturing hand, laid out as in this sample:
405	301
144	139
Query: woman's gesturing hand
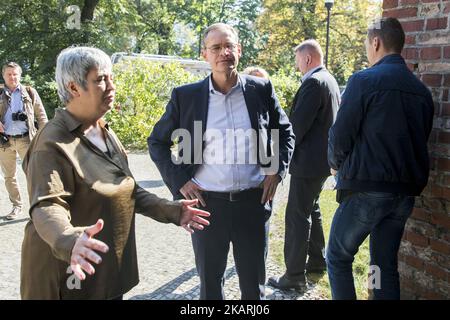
191	217
84	251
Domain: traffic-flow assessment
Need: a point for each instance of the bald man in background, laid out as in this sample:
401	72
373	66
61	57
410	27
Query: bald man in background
312	114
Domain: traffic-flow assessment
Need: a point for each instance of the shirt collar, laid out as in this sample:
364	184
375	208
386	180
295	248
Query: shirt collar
310	72
10	93
72	123
214	91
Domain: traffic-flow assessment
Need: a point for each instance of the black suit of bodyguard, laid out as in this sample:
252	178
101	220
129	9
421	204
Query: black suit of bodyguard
239	211
313	112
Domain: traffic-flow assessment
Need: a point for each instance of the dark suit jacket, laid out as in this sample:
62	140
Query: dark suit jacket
313	112
189	103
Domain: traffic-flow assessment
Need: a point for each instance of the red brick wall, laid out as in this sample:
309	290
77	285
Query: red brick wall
424	257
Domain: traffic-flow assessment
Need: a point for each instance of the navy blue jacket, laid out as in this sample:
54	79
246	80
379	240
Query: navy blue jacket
379	139
189	103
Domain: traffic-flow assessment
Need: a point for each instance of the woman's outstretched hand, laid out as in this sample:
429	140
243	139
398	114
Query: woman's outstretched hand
84	251
191	218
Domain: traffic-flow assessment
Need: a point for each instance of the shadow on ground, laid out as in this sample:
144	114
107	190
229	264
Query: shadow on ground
9	222
172	290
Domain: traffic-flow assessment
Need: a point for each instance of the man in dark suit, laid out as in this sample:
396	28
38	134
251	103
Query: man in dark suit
226	125
313	112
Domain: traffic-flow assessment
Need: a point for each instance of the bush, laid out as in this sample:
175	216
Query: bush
48	92
285	88
143	91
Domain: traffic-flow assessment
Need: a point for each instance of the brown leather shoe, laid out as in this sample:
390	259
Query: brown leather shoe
283	283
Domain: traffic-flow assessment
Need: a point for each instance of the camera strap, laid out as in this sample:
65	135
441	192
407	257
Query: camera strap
30	93
27	88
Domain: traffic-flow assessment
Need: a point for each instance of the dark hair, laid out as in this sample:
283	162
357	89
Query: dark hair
391	33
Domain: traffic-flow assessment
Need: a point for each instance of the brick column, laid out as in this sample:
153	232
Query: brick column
424	257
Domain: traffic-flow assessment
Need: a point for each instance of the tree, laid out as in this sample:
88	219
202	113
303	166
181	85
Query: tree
198	14
245	18
34	32
156	32
87	14
242	14
285	23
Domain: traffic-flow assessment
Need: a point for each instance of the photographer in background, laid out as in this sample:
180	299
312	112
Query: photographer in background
20	106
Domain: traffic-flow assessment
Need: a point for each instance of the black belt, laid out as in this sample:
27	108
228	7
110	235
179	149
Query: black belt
23	135
235	195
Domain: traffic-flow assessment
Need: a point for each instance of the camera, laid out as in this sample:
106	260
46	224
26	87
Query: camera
19	116
3	139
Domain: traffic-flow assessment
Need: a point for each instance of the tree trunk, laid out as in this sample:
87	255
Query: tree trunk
87	13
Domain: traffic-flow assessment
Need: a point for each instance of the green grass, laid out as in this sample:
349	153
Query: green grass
328	207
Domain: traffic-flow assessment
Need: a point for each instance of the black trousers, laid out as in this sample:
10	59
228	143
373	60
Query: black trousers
304	233
245	224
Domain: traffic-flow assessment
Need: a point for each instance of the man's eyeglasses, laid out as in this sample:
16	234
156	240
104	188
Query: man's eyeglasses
218	48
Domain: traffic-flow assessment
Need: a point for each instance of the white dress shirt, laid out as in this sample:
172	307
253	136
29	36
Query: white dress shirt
229	157
15	104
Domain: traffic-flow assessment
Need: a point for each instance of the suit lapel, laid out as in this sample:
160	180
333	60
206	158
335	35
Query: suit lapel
201	111
250	97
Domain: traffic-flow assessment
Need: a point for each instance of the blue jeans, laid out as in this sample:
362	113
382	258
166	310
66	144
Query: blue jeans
383	217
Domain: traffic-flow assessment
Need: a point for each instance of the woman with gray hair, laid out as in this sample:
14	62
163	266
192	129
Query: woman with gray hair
81	187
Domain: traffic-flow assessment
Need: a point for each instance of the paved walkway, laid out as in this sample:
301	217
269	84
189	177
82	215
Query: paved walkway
166	259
